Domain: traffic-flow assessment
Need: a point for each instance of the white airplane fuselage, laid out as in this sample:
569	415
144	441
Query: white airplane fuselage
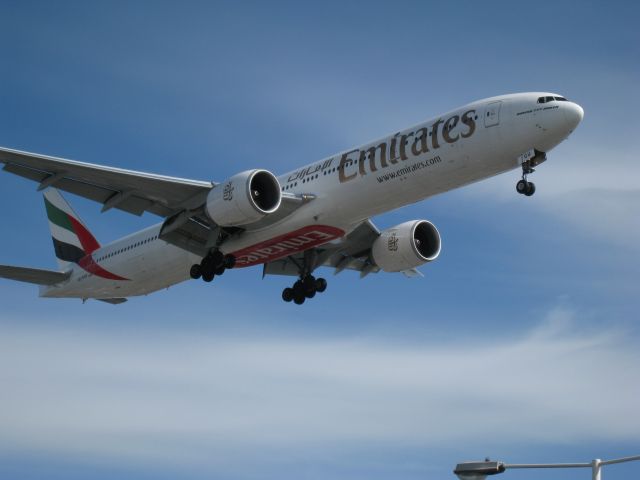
465	145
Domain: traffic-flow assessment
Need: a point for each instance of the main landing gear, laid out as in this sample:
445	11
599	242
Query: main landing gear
306	287
523	186
215	263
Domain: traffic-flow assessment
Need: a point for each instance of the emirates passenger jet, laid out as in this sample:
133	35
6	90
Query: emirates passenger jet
292	224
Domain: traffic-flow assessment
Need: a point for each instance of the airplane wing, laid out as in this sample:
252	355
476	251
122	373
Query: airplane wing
178	200
352	253
127	190
33	275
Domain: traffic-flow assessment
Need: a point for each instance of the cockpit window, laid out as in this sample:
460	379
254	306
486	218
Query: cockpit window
551	99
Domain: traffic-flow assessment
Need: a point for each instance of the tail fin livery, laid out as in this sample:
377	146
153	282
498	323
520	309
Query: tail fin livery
71	238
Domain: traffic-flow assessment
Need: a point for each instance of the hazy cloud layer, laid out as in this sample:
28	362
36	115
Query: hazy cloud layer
197	399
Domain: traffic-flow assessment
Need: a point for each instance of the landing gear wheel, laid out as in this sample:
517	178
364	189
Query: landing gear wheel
298	299
216	257
321	285
206	264
287	294
309	286
531	189
195	272
229	261
309	283
522	186
208	276
220	270
298	289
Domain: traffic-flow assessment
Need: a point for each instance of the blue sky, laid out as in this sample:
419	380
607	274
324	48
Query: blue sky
521	342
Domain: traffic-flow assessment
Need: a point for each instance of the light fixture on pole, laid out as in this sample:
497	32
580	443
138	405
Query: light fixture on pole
480	470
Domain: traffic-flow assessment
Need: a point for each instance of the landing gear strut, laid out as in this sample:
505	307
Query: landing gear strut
215	263
307	286
524	187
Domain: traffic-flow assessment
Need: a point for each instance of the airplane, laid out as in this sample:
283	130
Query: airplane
317	215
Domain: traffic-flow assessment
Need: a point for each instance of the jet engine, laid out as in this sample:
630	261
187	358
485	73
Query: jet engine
406	246
244	198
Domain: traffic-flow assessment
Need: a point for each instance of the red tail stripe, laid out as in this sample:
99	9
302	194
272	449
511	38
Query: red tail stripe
90	265
88	241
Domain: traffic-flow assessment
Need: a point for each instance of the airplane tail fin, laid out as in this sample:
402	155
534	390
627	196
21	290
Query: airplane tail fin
71	238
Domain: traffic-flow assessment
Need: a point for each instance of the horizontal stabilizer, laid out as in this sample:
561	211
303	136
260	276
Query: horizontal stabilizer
33	275
113	301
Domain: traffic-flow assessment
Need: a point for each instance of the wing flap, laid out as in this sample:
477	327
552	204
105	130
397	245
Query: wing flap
33	275
25	172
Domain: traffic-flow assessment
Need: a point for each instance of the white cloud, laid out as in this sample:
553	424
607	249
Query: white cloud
590	188
202	400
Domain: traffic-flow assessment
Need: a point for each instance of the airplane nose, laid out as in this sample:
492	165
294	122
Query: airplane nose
573	114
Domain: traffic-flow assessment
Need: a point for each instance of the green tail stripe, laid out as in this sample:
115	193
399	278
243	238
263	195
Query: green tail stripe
57	216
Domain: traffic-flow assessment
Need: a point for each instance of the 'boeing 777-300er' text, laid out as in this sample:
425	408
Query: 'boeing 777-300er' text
317	215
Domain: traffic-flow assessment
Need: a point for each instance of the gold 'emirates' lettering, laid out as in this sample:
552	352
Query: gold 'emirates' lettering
403	145
343	163
371	153
434	133
469	120
449	125
421	138
392	149
354	162
397	147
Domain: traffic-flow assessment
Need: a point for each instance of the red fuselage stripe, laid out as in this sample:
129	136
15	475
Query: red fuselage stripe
287	244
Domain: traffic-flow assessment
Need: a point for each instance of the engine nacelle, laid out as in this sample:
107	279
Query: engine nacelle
406	246
244	198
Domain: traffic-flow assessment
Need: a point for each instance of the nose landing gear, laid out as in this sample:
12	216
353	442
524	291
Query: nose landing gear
524	187
215	263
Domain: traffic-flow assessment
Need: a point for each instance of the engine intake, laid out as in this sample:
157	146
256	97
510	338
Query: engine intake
244	198
406	246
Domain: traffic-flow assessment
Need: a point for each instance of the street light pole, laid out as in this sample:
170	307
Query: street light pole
479	470
595	469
